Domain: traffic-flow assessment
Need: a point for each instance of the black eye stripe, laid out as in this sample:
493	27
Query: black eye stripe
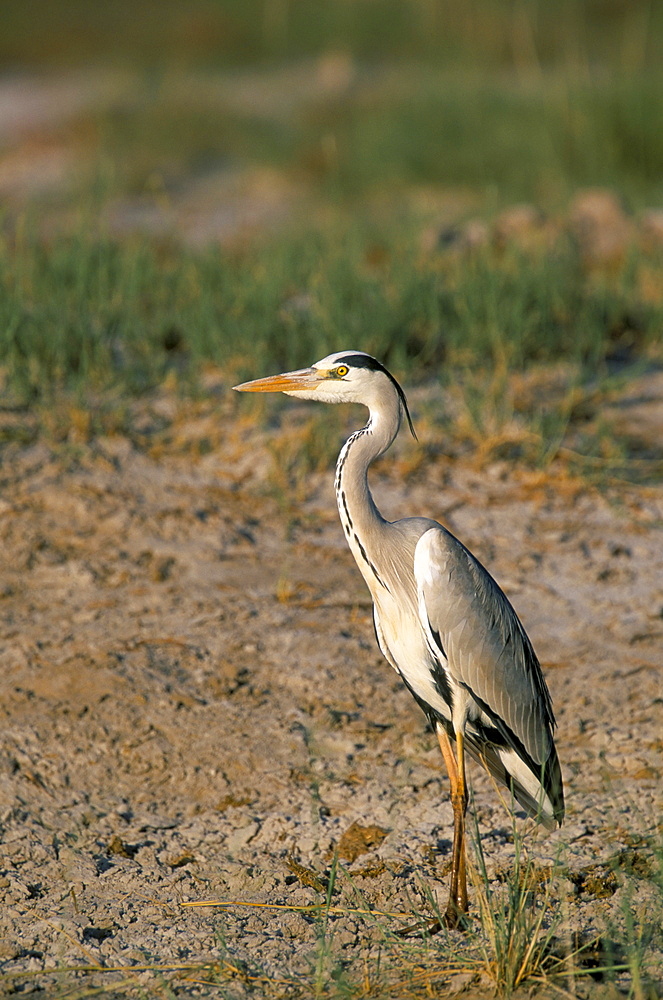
366	361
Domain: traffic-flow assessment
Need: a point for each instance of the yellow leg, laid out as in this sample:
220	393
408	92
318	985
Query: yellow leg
457	905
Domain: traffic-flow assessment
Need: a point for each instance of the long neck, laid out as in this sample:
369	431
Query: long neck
362	522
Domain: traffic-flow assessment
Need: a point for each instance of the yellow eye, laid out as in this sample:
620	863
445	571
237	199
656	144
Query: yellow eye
342	371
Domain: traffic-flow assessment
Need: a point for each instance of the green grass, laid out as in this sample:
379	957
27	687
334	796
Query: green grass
506	101
87	325
222	32
504	140
524	348
82	315
495	140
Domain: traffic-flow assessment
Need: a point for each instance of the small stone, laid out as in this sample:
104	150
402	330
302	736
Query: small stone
241	837
520	225
600	227
358	840
460	982
651	229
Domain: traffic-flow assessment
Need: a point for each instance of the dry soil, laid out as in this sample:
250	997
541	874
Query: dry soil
194	708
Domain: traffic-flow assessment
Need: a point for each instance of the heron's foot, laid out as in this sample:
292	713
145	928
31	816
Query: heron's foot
423	930
455	917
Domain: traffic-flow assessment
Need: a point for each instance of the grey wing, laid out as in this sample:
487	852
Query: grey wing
477	636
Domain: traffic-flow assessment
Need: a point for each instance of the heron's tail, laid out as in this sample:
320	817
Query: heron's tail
538	790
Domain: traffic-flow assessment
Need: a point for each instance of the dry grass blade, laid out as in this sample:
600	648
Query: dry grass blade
517	926
206	973
309	908
83	992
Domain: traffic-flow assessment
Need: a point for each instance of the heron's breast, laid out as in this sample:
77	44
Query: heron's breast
406	643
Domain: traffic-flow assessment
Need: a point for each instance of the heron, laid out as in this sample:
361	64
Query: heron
440	619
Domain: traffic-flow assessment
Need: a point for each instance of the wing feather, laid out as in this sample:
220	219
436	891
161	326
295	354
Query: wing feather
489	656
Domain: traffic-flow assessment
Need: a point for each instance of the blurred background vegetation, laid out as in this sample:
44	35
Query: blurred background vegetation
510	99
466	186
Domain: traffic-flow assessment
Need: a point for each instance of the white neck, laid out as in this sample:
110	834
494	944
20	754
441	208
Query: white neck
362	522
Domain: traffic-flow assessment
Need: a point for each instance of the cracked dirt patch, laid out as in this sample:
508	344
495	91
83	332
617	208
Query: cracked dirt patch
195	709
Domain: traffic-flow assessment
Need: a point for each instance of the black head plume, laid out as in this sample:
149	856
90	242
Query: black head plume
366	361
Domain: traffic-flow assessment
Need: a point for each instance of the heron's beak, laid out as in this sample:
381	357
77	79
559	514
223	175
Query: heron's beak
305	378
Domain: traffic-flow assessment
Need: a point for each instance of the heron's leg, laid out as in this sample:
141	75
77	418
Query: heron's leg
461	896
456	767
457	905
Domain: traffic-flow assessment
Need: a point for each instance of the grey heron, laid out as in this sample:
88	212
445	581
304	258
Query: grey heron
441	620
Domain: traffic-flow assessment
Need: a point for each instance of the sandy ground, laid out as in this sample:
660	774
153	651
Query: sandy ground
194	707
193	704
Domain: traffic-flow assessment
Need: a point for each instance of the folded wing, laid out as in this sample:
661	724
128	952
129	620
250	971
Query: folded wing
493	672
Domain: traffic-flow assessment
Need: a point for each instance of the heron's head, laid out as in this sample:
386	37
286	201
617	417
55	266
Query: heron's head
344	377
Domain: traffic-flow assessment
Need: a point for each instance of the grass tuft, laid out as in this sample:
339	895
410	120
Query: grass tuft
86	315
518	921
